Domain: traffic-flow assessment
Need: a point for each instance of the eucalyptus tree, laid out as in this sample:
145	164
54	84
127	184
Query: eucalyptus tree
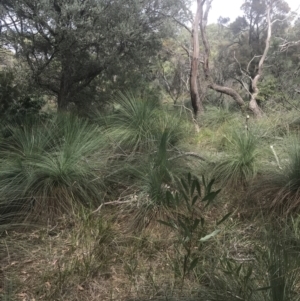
203	11
250	49
68	44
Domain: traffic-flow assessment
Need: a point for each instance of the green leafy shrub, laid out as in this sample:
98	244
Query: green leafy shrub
189	223
15	102
270	272
152	175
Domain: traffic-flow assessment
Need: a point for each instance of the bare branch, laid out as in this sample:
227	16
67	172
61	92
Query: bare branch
287	44
117	202
188	154
177	21
254	57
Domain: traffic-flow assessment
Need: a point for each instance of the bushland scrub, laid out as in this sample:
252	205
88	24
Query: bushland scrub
135	204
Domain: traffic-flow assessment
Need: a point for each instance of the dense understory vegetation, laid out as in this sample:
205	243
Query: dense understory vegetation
107	208
113	188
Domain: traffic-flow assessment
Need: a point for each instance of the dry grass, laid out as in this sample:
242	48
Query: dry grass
92	258
77	261
97	257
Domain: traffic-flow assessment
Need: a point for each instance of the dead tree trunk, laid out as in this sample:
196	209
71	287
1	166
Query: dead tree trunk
194	90
253	103
206	56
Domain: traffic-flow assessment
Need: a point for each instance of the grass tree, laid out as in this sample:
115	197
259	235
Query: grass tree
280	188
239	164
55	165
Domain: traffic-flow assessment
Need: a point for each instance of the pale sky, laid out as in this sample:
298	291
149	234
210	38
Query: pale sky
231	9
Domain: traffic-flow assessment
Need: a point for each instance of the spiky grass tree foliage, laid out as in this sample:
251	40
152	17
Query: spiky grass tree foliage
279	189
151	175
143	136
49	167
137	125
239	164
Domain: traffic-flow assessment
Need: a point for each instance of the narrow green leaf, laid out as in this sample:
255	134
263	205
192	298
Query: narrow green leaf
193	264
185	196
224	218
167	224
193	187
210	184
204	183
210	197
188	205
207	237
198	187
195	198
189	178
184	227
185	186
195	224
229	266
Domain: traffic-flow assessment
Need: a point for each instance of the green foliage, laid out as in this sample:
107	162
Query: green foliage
49	167
14	104
154	175
131	126
270	274
239	165
268	90
82	41
189	224
138	125
215	117
280	187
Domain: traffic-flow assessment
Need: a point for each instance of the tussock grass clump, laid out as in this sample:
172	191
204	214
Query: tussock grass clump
137	125
144	137
280	188
215	117
153	175
239	164
52	165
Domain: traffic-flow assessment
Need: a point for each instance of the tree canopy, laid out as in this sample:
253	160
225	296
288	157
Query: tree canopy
67	44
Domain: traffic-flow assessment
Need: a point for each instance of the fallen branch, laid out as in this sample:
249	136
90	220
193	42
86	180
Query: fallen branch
111	203
192	154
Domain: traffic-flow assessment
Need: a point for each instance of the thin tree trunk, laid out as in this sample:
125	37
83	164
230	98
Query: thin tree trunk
194	91
62	104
